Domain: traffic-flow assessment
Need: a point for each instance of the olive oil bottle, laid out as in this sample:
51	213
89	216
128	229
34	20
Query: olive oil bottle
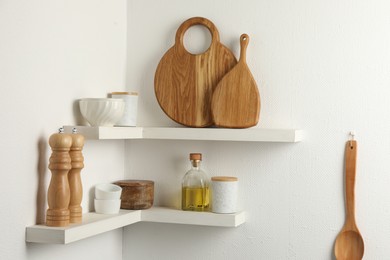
195	187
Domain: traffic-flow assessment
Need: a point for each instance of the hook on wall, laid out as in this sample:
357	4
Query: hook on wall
352	137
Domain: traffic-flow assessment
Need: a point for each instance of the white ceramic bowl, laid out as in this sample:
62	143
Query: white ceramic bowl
107	206
102	111
107	191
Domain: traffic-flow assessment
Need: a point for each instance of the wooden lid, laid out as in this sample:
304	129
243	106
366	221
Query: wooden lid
196	156
133	93
132	183
224	178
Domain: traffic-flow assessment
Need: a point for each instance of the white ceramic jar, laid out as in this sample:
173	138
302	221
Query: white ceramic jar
224	193
129	117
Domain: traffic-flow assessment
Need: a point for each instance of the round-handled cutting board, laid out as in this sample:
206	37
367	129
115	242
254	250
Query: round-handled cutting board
184	82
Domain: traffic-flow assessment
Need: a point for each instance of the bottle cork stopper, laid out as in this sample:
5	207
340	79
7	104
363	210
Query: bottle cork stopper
196	156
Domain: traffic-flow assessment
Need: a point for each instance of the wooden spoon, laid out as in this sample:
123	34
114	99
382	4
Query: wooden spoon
349	242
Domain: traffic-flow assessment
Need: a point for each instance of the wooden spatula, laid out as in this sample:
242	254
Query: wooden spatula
236	99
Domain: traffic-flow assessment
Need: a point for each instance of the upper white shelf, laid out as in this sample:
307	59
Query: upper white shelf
187	133
94	224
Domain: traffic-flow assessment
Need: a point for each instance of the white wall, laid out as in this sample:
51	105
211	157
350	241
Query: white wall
322	66
52	53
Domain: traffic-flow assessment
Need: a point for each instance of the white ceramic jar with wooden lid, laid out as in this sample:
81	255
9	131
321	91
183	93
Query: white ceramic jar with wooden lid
129	117
224	194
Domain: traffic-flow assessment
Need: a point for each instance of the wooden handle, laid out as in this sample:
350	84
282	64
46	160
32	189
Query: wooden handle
244	41
350	174
196	21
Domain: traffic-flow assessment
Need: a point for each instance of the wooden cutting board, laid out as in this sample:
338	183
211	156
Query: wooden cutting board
184	82
236	99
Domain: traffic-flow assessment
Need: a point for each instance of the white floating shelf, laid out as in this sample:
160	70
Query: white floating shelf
187	133
94	224
174	216
103	132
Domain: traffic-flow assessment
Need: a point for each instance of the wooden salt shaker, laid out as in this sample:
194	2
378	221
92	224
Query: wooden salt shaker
58	194
75	185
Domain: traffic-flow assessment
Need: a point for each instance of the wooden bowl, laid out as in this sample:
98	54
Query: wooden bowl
136	194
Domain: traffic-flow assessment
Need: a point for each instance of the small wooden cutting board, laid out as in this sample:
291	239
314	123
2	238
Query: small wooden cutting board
184	82
236	99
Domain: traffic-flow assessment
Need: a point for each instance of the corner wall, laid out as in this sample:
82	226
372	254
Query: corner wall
321	66
52	53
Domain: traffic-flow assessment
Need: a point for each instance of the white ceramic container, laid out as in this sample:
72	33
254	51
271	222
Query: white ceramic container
224	192
107	191
107	206
102	111
129	117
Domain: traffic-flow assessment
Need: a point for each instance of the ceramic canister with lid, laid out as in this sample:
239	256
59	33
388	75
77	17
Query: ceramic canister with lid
224	194
129	117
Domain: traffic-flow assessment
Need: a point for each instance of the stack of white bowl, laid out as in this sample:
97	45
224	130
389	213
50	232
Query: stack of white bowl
107	198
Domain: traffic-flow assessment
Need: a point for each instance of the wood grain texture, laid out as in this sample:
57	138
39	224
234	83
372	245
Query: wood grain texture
58	195
184	82
136	194
349	243
236	99
74	177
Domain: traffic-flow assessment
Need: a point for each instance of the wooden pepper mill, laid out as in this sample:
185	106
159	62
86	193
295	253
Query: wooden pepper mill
58	194
75	185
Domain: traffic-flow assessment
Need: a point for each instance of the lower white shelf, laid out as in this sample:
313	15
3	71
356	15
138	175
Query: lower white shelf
94	224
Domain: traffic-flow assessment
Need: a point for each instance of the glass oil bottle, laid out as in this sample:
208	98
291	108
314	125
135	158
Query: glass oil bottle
195	187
